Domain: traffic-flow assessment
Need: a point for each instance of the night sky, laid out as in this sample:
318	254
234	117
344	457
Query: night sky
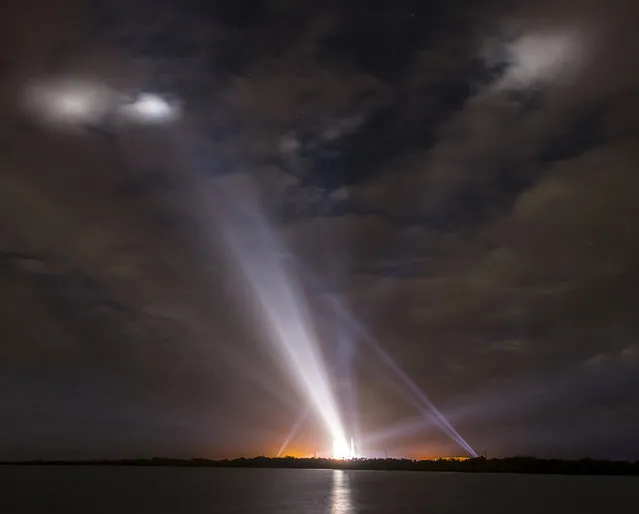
451	184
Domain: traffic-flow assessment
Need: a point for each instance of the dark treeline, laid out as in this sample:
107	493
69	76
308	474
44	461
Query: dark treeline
530	465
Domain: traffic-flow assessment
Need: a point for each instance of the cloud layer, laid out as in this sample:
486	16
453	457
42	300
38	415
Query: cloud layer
461	177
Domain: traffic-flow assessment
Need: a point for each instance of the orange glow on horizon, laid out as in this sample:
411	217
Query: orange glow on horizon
298	452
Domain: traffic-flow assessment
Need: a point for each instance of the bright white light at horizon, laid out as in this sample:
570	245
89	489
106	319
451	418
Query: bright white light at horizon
342	450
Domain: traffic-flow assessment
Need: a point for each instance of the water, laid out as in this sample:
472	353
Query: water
122	490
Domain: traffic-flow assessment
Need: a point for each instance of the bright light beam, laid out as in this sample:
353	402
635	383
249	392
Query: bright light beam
431	410
281	304
294	429
343	364
348	383
283	310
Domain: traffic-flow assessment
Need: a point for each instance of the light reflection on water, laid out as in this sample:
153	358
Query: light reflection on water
341	502
158	490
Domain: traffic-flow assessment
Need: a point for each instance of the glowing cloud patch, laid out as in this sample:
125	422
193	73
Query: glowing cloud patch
539	58
75	103
151	108
69	102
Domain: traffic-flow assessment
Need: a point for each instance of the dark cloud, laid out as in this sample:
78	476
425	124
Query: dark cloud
460	177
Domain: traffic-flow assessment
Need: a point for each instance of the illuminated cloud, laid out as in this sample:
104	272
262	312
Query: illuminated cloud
444	223
69	103
539	58
150	108
74	103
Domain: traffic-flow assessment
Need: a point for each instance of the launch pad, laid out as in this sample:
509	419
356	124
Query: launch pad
344	451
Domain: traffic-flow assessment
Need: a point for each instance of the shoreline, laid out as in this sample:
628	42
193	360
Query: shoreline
520	465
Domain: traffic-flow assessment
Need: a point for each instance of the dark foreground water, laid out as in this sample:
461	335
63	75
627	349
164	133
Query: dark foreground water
122	490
